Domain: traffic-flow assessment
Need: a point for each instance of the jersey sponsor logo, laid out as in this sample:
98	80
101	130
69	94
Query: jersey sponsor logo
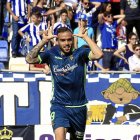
64	69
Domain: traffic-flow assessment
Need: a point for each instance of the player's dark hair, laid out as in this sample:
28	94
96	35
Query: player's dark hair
63	29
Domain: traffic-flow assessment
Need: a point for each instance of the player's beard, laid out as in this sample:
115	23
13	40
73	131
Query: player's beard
67	50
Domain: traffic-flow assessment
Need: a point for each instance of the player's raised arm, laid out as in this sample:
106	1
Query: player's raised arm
95	52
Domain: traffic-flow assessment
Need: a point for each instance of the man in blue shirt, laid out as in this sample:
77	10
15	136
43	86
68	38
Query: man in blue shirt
109	39
68	109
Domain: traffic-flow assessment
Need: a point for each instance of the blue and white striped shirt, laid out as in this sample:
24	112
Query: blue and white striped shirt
57	25
33	32
19	7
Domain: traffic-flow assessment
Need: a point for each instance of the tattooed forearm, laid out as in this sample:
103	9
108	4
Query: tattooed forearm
32	56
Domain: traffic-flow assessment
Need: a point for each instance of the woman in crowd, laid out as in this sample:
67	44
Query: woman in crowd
134	60
127	50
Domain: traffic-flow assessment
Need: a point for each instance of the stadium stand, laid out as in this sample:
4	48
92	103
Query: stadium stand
4	57
18	64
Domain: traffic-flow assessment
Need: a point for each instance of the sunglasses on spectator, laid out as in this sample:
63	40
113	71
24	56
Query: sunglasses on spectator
137	49
86	3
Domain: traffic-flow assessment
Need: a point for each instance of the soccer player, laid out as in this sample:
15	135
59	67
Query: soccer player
68	104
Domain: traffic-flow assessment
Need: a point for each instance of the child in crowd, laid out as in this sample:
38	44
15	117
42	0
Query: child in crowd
34	31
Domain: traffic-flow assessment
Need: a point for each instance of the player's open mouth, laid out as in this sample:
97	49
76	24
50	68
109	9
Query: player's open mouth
67	48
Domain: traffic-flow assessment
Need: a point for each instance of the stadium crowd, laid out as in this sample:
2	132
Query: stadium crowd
114	25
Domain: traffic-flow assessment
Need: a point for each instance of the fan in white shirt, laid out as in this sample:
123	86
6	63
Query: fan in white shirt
134	60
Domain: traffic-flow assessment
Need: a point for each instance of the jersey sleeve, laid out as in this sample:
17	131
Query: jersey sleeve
44	57
84	54
26	28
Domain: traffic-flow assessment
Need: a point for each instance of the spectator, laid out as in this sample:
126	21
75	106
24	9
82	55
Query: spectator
58	5
34	30
131	8
88	8
2	10
47	13
105	7
109	40
126	51
63	21
32	33
134	60
20	15
121	34
78	42
39	6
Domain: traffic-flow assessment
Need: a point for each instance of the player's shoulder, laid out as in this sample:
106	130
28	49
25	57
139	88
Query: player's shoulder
55	49
82	49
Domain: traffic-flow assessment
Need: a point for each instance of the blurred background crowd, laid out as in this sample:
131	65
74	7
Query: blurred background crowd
113	24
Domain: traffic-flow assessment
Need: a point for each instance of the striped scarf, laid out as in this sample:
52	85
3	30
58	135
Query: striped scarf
119	112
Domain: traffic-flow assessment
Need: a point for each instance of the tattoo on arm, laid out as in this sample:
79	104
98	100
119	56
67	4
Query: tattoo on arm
32	56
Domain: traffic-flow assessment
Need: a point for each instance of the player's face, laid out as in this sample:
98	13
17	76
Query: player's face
65	41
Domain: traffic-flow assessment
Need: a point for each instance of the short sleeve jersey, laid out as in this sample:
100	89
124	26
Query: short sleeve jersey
33	32
68	74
